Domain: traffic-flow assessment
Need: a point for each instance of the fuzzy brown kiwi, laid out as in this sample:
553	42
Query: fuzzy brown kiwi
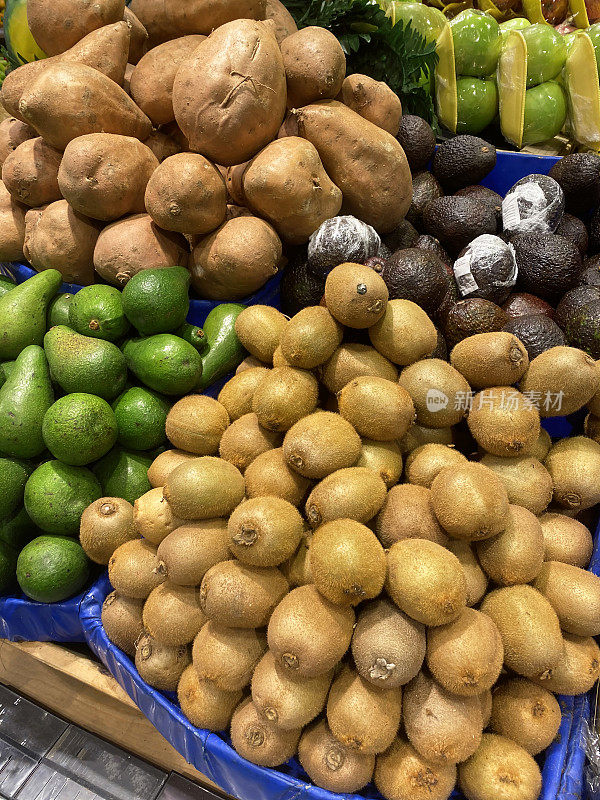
566	540
297	568
384	458
265	531
186	555
424	463
241	596
356	295
388	647
490	359
284	699
466	656
469	501
401	773
331	765
426	581
525	713
122	621
250	362
577	670
258	741
574	465
204	488
153	517
134	569
527	481
566	373
504	422
278	358
423	380
259	329
542	447
377	408
172	614
284	396
196	423
591	427
476	578
204	704
310	337
320	444
407	514
270	474
245	439
517	554
236	396
574	594
404	334
161	666
500	768
353	360
418	435
164	464
485	699
347	562
307	634
353	493
594	404
227	656
105	525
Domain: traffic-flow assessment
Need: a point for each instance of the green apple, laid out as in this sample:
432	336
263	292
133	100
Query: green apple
546	53
426	20
545	112
516	24
477	42
477	104
594	33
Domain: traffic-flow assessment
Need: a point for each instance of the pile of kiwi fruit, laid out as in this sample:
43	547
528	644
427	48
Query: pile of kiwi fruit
365	556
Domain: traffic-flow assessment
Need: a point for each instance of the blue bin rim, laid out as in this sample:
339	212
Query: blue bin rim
26	620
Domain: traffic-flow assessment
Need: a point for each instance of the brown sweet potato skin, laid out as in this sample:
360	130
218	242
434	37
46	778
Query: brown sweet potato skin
229	97
151	84
373	100
12	227
59	238
162	145
30	173
187	194
13	132
71	100
138	42
315	66
17	81
236	259
283	22
367	163
57	25
132	244
287	185
104	175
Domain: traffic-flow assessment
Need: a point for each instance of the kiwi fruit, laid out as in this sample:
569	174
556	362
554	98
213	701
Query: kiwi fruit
164	464
418	435
206	706
469	501
204	488
574	594
387	646
186	555
307	634
439	392
490	359
353	493
401	773
245	439
527	481
354	360
426	581
122	621
259	329
264	531
329	764
565	378
284	396
444	728
236	396
361	716
310	338
591	427
404	334
269	474
196	423
384	458
542	447
525	713
574	465
485	699
284	699
577	670
258	741
134	569
172	614
566	540
517	554
477	580
424	463
529	628
320	444
500	768
466	656
377	408
160	665
278	358
153	517
227	656
250	362
297	568
594	404
407	514
241	596
504	422
105	525
355	295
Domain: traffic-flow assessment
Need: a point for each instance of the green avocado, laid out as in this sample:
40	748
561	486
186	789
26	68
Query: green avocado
165	363
97	311
225	351
156	300
141	415
23	313
58	310
52	568
79	428
13	477
123	474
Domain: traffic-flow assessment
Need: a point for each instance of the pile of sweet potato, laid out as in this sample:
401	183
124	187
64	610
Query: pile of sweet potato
204	133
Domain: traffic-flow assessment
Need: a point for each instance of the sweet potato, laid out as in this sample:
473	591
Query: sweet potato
138	41
187	194
30	173
151	84
287	185
281	19
57	25
367	163
229	97
127	79
13	132
70	100
153	16
162	145
104	175
17	81
315	66
12	226
236	259
373	100
132	244
60	238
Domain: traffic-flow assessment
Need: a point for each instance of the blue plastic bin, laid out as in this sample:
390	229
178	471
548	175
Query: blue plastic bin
511	167
25	620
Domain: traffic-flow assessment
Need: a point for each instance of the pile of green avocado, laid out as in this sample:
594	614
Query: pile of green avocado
86	383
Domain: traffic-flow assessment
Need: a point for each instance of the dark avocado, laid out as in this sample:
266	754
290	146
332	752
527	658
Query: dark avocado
582	329
300	287
548	264
456	221
338	240
432	245
451	297
462	161
441	348
377	263
595	232
537	332
573	229
416	275
404	235
523	304
535	204
418	141
591	271
472	316
573	301
579	176
426	187
485	195
486	268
